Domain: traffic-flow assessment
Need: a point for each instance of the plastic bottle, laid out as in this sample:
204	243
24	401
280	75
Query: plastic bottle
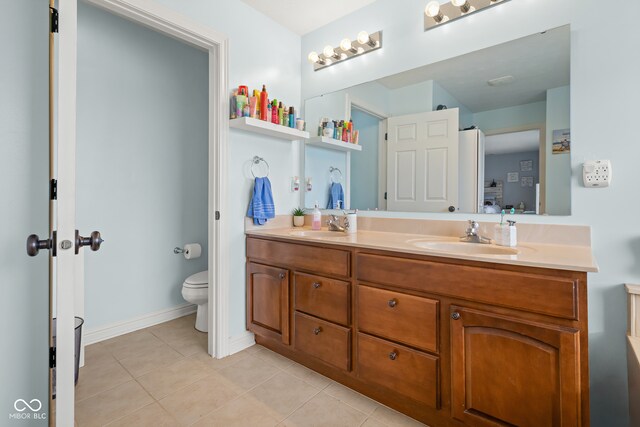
317	218
264	101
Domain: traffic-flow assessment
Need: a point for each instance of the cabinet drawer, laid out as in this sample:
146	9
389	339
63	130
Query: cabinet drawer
324	340
544	293
398	368
400	317
322	297
322	260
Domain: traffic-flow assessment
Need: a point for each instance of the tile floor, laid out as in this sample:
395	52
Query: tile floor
163	376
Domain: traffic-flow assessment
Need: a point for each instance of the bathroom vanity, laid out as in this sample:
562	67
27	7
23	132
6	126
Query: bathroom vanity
449	339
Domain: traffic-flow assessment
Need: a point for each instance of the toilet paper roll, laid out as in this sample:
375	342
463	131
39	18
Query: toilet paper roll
192	250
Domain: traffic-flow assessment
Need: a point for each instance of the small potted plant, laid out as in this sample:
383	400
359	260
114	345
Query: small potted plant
298	217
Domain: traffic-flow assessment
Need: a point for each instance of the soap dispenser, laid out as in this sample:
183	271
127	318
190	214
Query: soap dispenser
512	234
317	218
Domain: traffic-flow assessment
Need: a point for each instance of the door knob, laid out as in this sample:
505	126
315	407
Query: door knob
455	315
317	330
316	285
393	355
281	275
452	208
34	244
392	302
94	241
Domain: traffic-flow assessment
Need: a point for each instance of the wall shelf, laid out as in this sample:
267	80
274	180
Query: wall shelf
266	128
333	144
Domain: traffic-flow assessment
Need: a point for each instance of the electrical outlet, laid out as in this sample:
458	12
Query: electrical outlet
596	173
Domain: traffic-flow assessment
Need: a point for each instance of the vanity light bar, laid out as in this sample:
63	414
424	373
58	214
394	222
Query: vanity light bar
436	14
348	49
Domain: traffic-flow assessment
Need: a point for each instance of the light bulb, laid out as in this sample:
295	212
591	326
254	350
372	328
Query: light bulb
363	37
433	9
328	51
462	4
313	57
345	45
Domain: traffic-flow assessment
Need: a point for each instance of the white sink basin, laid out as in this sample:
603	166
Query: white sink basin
321	234
467	248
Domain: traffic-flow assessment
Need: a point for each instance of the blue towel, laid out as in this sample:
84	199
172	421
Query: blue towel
261	206
336	196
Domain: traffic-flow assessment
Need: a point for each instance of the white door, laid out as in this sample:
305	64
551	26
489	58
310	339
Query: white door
422	162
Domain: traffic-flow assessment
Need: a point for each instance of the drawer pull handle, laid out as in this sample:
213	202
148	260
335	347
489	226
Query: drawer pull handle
282	275
393	355
317	330
392	302
455	315
316	285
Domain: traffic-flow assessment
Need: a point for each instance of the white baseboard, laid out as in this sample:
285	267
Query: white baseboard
240	342
141	322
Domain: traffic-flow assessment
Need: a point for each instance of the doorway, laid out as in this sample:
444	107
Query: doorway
215	46
513	171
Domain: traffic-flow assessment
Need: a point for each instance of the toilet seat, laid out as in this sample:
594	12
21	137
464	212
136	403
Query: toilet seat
198	280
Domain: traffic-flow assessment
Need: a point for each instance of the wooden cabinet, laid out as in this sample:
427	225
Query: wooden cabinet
448	342
268	301
507	371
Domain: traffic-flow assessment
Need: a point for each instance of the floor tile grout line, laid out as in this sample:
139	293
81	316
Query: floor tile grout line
300	406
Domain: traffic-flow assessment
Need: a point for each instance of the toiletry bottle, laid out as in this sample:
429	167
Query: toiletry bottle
285	116
264	101
233	106
280	113
253	106
256	95
512	234
292	118
317	218
274	111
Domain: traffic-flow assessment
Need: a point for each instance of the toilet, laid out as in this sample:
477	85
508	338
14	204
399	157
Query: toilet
195	290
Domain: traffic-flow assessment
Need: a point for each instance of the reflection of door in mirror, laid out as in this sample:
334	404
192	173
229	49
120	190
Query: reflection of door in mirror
422	162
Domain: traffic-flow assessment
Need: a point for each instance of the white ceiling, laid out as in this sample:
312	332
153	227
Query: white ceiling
537	63
303	16
516	142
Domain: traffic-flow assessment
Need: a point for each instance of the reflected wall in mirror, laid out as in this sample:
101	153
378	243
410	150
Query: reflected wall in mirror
470	134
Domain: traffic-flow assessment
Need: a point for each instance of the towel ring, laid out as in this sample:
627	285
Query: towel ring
256	161
335	177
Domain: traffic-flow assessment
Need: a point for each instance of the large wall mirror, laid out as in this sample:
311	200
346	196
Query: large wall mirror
478	133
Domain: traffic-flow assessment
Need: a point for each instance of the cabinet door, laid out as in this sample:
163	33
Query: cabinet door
507	371
268	301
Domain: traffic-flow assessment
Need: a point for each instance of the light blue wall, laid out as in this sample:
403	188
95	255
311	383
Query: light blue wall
416	98
604	73
558	174
442	96
23	175
317	163
497	166
364	164
142	164
510	117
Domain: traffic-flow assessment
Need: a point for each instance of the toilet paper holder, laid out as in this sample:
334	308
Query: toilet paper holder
178	250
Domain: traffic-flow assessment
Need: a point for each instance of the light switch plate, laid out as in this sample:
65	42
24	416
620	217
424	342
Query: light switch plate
596	173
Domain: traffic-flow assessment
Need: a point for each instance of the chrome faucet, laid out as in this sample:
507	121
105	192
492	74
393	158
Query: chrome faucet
472	236
334	224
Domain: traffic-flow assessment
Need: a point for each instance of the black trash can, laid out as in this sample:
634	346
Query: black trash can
79	321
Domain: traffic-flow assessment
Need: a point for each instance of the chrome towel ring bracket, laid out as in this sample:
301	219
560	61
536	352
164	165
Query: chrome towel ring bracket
336	174
256	161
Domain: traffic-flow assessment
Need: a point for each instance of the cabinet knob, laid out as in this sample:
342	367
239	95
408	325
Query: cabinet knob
317	330
316	285
282	275
393	355
392	302
455	315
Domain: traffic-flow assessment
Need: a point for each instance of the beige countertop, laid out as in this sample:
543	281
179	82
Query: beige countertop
530	254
